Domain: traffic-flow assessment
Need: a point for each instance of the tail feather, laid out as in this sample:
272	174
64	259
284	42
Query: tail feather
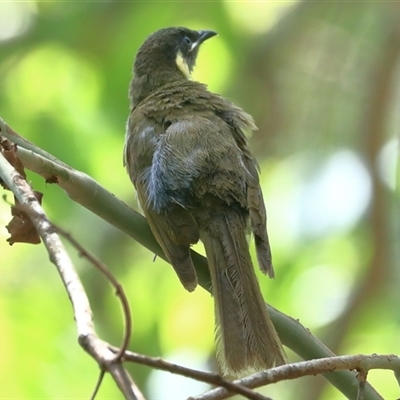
246	338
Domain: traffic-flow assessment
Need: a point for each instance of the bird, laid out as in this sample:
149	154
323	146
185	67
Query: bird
186	153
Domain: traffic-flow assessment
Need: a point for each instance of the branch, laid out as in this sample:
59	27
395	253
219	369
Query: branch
308	368
300	340
207	377
59	257
110	277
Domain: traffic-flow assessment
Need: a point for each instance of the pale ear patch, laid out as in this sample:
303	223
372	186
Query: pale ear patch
182	65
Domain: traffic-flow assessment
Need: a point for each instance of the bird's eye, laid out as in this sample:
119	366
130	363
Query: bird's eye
187	41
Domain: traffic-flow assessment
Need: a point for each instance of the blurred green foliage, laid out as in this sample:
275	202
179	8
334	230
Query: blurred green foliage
321	80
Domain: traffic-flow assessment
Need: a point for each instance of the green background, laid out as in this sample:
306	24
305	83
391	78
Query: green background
322	82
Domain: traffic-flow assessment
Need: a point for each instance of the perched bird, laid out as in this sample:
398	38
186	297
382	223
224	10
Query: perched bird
187	155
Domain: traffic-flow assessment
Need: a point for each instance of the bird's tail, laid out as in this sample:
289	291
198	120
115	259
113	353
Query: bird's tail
246	338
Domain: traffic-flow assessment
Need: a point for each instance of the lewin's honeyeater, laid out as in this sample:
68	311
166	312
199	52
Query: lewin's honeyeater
186	153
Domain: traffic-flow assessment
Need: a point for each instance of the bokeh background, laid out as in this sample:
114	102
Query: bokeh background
322	82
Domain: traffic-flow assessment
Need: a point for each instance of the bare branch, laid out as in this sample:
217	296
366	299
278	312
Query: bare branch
207	377
117	286
98	384
306	368
55	248
59	257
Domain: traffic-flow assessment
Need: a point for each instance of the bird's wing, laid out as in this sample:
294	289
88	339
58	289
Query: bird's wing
172	225
175	231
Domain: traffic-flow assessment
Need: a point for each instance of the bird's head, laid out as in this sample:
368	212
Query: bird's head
170	52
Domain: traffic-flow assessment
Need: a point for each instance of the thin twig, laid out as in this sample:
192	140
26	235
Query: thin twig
58	255
98	384
308	368
117	286
273	375
76	292
208	377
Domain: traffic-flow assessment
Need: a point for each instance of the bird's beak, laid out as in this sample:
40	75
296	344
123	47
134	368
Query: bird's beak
203	36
